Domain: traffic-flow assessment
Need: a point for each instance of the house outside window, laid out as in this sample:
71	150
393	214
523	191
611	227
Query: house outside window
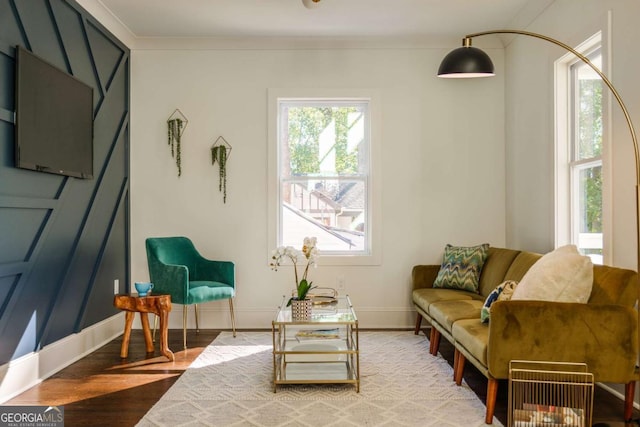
323	163
580	156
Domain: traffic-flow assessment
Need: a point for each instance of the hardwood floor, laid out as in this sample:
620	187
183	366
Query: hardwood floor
104	390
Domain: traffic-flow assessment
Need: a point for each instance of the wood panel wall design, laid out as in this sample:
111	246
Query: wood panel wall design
63	241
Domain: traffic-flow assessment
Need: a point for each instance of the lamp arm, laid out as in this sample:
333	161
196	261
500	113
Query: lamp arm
627	116
604	78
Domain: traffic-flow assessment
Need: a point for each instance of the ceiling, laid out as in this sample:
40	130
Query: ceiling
332	18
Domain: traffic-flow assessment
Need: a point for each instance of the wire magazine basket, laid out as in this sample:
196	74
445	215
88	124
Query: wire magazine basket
550	394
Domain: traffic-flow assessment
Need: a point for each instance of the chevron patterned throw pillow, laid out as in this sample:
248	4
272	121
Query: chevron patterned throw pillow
461	267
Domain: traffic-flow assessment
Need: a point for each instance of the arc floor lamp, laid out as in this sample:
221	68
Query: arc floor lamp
469	62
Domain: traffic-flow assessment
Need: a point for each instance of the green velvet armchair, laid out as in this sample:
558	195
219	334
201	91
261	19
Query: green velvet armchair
177	269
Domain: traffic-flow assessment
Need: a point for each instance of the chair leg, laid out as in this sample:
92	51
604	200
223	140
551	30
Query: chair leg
492	393
184	326
418	322
197	325
458	367
629	392
233	317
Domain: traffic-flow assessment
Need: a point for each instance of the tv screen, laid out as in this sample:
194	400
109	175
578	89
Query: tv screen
54	119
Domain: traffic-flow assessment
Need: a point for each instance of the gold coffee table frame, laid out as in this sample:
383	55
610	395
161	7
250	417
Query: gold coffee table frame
333	360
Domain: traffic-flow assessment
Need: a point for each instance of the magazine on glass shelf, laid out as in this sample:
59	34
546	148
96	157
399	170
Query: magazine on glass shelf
317	334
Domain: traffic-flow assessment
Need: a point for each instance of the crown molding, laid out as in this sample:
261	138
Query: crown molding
111	22
294	43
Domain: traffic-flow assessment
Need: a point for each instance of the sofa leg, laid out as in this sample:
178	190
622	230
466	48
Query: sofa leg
434	339
456	354
458	367
492	394
629	393
418	323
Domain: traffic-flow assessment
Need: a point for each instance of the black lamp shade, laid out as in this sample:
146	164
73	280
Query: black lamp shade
466	62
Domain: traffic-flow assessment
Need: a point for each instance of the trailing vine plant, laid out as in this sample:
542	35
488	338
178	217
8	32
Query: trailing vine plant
174	134
219	153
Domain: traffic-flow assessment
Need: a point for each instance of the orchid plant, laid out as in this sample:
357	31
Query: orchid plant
309	253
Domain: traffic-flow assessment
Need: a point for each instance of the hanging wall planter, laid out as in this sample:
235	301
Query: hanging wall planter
176	124
220	152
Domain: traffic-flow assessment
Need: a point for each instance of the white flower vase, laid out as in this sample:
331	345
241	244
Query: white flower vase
301	309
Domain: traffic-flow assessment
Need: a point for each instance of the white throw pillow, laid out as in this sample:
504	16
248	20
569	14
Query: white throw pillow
563	275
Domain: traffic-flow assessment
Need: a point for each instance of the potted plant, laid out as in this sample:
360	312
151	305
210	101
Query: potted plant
308	254
220	154
174	134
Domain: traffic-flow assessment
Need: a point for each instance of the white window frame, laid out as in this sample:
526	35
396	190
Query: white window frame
566	170
373	254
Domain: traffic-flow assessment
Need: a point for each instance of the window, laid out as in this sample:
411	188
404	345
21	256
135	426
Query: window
586	157
582	166
323	168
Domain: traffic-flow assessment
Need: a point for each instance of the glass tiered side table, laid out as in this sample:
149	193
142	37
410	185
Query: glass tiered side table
323	350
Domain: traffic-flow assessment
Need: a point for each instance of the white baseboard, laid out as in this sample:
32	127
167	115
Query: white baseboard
29	370
215	315
614	390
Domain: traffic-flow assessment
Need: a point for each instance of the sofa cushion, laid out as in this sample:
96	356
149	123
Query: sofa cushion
499	261
461	267
446	313
473	335
563	275
520	265
502	292
427	296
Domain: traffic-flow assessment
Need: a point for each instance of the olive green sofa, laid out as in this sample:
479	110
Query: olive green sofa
602	333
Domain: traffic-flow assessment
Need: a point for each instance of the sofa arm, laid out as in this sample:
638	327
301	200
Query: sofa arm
423	276
605	337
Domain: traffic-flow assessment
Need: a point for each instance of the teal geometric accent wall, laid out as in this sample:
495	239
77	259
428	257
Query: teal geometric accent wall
63	240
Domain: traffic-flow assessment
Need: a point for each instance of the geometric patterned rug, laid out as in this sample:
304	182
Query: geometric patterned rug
230	384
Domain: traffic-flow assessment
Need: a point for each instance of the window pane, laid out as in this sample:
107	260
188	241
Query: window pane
589	109
586	163
333	210
324	168
324	139
590	211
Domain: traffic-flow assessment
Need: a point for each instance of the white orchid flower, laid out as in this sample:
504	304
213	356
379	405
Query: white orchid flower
309	252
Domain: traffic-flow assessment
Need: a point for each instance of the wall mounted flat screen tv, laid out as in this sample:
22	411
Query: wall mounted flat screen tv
54	119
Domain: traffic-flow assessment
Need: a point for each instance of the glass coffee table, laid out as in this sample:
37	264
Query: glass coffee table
323	350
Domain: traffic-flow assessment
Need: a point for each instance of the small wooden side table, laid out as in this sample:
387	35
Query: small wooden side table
156	304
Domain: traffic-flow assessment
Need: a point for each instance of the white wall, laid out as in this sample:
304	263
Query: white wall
442	165
530	121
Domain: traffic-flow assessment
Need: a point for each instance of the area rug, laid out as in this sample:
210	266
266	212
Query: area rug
230	384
